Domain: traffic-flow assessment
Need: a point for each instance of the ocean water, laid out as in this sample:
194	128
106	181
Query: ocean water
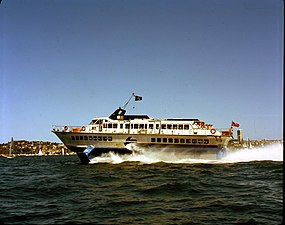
146	188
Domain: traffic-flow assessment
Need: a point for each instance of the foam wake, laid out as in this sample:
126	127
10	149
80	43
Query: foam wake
272	152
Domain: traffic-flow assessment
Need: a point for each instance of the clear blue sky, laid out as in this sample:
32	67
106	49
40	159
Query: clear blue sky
66	61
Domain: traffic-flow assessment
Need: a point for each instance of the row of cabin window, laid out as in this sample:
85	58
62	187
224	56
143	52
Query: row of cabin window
91	138
150	126
177	140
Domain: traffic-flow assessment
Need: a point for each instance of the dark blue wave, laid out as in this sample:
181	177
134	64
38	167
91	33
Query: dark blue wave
58	190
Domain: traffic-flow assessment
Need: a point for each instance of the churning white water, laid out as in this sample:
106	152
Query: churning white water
272	152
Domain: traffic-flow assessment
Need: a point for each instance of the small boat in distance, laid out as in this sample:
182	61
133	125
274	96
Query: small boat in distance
122	133
11	146
40	153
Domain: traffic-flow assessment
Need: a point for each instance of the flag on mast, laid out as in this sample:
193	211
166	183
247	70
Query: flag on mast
138	98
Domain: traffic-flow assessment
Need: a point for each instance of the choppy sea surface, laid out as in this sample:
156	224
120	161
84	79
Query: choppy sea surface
147	188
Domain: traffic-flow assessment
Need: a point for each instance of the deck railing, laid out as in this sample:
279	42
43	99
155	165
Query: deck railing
60	128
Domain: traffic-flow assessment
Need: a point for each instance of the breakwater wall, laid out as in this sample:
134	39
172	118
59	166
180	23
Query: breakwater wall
23	147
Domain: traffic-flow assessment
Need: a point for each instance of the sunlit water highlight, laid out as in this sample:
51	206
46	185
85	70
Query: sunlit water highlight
272	152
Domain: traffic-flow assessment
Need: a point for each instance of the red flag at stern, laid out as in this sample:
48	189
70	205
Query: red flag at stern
234	124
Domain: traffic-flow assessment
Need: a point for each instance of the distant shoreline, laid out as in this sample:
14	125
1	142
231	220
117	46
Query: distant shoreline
35	148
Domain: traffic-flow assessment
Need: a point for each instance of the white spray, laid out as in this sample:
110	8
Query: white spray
272	152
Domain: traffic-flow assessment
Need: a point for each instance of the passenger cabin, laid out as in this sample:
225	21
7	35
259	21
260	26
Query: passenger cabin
143	124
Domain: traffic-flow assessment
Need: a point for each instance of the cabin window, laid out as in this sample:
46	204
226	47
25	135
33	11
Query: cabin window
188	141
121	126
150	126
77	138
176	140
109	138
174	126
72	138
163	126
99	138
194	141
200	141
152	139
164	140
115	126
180	126
90	138
104	125
182	141
170	140
206	141
141	126
81	137
169	126
109	125
104	138
95	138
157	126
99	121
158	139
127	126
136	126
186	127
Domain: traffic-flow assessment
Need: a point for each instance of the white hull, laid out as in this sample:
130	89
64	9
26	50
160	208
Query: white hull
198	146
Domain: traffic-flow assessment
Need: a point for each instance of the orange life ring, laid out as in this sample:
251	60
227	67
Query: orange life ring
83	128
213	131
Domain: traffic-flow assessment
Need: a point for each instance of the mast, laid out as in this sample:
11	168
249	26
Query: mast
11	146
137	98
125	105
122	110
